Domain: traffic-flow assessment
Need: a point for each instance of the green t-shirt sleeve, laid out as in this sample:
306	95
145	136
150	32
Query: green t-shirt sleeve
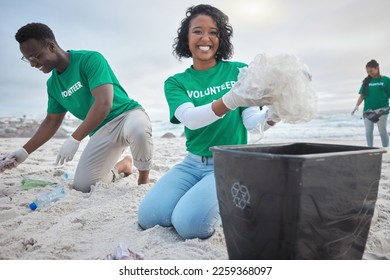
175	95
95	67
387	87
361	89
54	107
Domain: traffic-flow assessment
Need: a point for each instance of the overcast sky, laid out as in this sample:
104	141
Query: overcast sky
335	38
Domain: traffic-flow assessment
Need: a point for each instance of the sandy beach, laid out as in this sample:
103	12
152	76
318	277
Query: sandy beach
90	226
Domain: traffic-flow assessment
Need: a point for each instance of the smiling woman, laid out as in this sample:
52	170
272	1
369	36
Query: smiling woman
185	197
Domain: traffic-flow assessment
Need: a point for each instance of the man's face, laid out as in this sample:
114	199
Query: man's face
38	54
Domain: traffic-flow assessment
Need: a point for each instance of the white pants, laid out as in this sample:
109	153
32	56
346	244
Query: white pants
97	162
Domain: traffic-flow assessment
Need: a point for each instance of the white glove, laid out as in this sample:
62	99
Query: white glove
272	115
354	110
233	99
19	155
67	151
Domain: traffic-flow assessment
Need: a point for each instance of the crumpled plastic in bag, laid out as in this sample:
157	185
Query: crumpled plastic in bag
374	115
285	80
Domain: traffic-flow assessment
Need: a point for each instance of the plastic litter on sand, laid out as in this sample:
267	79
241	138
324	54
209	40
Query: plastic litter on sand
123	253
7	163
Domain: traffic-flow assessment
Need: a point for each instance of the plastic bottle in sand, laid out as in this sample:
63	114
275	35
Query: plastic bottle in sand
28	183
68	175
48	198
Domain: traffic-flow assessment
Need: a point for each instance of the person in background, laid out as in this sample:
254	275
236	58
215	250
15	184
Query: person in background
375	92
204	100
83	83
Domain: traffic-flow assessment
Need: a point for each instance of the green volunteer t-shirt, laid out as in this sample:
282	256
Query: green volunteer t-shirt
378	93
200	88
72	90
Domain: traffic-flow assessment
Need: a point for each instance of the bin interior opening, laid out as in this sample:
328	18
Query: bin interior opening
299	148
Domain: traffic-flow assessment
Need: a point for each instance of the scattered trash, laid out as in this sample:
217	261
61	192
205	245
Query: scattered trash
28	183
68	175
374	115
47	198
7	163
29	242
123	253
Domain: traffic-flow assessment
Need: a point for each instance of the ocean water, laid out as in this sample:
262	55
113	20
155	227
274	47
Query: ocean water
322	127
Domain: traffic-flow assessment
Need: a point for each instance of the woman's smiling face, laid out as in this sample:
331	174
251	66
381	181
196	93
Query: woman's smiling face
373	72
203	41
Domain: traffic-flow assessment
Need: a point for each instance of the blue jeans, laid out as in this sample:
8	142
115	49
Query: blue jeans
185	198
382	128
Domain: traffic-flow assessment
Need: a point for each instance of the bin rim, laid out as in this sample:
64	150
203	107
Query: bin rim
236	150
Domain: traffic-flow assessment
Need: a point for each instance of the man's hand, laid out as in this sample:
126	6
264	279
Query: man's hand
19	155
67	151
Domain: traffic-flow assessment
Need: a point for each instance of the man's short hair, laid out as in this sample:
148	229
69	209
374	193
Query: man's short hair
37	31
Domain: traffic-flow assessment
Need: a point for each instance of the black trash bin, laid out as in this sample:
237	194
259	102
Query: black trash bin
296	200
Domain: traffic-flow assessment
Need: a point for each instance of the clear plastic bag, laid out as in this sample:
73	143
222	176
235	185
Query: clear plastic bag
286	80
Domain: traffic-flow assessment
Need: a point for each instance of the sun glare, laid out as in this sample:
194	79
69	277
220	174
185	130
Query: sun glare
255	13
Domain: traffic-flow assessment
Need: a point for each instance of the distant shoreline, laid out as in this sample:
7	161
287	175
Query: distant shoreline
23	127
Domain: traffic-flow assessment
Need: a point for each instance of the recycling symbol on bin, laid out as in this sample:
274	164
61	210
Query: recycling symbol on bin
241	195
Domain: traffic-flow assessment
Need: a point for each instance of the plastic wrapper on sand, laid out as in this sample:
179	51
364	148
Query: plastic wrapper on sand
7	163
123	253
